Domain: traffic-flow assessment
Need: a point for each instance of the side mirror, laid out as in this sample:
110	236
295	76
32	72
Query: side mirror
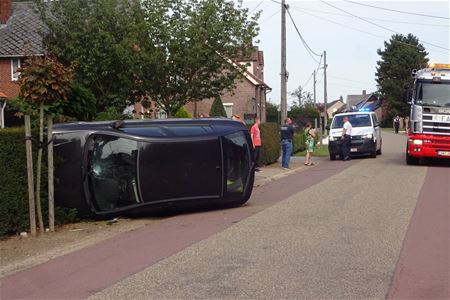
406	93
327	127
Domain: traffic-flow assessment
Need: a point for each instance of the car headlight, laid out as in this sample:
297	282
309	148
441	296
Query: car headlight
368	136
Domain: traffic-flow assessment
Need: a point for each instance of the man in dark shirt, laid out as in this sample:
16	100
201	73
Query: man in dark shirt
287	134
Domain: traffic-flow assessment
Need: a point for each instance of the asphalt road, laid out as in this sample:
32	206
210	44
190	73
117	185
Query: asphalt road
368	228
341	238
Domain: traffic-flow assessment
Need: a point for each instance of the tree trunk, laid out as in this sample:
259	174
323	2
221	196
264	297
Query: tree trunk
30	176
51	209
38	172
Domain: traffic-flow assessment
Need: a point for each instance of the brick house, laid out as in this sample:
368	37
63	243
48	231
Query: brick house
248	98
20	28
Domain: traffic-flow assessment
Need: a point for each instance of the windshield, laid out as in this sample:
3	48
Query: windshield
432	94
360	120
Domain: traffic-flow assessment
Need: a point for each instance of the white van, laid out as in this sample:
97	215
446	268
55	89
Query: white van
365	137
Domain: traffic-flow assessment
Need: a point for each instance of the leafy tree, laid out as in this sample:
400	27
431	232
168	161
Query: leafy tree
182	113
106	40
43	80
197	43
217	109
272	113
401	55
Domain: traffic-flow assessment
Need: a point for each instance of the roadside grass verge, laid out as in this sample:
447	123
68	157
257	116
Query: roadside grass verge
319	151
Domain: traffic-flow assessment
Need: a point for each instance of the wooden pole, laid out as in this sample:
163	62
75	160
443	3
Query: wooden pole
51	205
38	171
30	176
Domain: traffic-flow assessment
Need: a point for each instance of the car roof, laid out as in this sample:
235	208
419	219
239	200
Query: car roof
354	113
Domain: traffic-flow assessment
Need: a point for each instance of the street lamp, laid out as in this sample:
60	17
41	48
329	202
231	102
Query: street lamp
3	98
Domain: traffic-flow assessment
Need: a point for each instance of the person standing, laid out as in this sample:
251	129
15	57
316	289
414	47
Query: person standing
396	123
346	138
287	134
310	134
255	134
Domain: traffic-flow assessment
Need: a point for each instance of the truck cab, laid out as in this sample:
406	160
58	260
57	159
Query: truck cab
429	128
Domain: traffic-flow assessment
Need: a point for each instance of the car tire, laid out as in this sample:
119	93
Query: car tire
379	151
332	156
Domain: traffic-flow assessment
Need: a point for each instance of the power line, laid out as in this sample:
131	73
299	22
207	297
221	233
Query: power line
307	81
398	11
309	50
375	24
375	19
351	80
270	17
259	4
359	30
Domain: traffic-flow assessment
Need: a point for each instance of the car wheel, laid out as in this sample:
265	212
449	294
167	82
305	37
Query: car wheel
379	151
332	156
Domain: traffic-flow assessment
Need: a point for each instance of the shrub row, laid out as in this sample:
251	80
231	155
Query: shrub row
14	208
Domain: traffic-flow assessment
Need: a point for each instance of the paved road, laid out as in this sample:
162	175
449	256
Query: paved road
369	228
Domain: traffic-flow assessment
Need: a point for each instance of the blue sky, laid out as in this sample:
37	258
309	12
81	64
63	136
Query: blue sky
351	44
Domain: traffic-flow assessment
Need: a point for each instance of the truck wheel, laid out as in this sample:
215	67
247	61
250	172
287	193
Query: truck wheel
332	156
411	160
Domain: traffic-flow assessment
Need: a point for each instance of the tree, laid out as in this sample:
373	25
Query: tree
197	45
105	40
217	109
43	80
401	55
173	51
272	113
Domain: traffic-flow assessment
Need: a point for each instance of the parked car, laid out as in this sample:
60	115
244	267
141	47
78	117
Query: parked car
110	168
365	138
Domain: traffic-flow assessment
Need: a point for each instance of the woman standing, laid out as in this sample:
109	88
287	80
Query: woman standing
310	134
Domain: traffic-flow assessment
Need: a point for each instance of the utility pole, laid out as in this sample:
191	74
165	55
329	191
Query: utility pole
325	89
314	87
283	101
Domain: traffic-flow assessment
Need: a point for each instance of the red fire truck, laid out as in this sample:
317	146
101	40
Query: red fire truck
429	127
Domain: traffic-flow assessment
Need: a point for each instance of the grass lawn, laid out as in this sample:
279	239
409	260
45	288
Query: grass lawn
319	150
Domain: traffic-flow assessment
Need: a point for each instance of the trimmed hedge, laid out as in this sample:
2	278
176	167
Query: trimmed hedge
298	142
270	138
14	216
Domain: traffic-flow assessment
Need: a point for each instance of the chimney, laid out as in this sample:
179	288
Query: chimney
5	10
364	92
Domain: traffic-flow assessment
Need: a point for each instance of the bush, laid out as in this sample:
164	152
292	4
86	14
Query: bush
182	113
298	142
270	137
217	109
14	185
110	114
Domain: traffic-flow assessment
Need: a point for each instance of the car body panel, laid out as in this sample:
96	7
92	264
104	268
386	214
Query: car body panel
107	168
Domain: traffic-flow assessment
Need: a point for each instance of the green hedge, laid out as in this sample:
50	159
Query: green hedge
298	142
14	216
270	138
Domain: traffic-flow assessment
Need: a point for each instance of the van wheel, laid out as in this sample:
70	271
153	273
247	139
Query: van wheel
332	156
379	150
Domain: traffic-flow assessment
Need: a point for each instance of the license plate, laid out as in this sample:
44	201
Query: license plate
441	118
354	150
444	153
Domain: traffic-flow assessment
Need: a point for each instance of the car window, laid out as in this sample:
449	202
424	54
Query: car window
112	165
357	120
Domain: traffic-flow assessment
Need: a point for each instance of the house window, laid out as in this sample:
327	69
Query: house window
15	65
228	109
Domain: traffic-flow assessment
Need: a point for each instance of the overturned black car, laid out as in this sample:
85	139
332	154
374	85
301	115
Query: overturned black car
112	168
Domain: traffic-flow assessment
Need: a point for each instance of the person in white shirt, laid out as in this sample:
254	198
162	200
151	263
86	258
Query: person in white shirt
346	137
